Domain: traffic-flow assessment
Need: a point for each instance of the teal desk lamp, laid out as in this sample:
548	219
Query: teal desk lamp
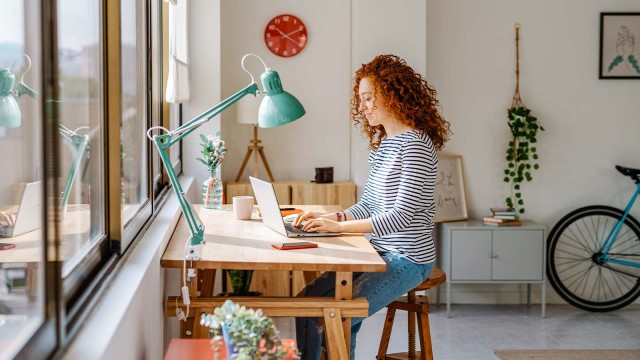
9	110
80	145
277	108
10	117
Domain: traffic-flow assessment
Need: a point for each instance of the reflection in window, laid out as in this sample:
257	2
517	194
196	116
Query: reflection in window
134	108
21	211
81	152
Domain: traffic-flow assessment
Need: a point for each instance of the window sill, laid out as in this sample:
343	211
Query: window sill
129	321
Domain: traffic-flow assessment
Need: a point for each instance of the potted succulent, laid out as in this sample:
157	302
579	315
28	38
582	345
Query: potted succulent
247	333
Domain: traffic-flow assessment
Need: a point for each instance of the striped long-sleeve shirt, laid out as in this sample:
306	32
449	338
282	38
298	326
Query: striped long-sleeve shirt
398	196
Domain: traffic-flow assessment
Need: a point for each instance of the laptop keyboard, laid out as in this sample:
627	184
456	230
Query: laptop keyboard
292	229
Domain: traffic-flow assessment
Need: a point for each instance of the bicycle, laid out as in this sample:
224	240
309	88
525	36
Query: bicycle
593	256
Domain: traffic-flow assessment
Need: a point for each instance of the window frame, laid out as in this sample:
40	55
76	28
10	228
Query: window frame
68	302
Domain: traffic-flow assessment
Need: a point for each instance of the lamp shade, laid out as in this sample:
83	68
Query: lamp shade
278	107
9	110
248	109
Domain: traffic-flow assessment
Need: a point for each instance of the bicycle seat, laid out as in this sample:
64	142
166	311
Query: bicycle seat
632	173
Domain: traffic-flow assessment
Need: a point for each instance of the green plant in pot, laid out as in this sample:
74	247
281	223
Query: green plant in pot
248	334
522	154
240	282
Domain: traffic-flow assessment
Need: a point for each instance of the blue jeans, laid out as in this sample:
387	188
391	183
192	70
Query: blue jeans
380	289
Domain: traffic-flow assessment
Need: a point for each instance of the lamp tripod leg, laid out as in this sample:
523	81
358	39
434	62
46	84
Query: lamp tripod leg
244	164
266	164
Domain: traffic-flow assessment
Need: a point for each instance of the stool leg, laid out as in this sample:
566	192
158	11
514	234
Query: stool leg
386	334
426	352
411	321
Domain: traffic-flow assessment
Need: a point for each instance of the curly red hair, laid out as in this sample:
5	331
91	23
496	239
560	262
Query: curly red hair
408	97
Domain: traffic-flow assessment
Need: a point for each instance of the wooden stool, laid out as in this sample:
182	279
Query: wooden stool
414	306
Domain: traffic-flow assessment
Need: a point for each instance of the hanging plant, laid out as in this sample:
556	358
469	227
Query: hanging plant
522	156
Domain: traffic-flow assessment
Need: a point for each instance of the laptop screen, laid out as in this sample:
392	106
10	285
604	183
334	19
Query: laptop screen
268	202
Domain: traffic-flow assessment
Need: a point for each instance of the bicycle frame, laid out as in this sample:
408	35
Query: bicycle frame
608	243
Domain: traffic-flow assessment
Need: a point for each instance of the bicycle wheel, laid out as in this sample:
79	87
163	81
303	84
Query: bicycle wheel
574	266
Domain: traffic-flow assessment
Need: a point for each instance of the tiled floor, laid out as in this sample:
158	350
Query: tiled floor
474	331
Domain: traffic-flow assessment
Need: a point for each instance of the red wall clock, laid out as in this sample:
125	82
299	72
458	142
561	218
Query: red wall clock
285	35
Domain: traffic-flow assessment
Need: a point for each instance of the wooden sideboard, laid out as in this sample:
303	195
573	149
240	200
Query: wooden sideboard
283	191
343	193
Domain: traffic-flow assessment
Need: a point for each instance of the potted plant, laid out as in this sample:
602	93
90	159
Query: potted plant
247	333
213	151
522	156
240	282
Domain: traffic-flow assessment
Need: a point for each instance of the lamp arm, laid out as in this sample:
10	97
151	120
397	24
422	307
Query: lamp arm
164	141
79	143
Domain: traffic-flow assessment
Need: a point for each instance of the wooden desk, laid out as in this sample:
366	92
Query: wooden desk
246	245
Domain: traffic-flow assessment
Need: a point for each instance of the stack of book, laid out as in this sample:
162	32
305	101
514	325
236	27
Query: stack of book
502	216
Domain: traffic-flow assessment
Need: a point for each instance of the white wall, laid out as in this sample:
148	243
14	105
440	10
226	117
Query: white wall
342	36
591	125
204	76
470	61
384	27
319	77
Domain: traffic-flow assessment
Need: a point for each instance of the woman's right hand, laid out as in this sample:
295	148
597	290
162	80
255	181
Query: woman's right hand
307	215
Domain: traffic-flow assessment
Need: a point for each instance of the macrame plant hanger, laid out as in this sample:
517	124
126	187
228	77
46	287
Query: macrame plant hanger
517	101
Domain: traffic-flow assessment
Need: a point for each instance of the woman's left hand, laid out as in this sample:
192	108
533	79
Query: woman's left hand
321	224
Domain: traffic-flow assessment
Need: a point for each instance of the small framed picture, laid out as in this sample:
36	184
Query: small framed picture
619	46
449	194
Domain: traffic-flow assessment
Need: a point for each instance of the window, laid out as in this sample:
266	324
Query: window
81	108
135	203
95	182
22	296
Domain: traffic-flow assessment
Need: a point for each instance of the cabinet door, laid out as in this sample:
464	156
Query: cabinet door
282	189
339	193
471	255
518	254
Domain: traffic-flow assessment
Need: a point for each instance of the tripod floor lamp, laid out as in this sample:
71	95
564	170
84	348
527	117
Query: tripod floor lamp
248	114
277	108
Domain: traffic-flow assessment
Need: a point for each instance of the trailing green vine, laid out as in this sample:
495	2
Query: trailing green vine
522	154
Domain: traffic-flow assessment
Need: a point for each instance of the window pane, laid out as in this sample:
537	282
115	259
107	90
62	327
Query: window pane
21	211
82	157
162	113
134	108
174	115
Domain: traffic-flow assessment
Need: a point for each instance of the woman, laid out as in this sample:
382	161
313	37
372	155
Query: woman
398	111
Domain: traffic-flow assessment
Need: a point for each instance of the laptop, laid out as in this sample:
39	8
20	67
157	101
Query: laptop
29	215
271	216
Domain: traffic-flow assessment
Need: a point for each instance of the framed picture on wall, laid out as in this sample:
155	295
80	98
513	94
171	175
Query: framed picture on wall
449	195
619	46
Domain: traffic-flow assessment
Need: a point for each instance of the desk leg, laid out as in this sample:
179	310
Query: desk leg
337	347
344	291
202	282
187	327
206	280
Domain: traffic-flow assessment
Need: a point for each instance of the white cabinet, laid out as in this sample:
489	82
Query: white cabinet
475	253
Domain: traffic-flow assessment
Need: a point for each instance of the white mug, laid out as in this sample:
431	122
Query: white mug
243	207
